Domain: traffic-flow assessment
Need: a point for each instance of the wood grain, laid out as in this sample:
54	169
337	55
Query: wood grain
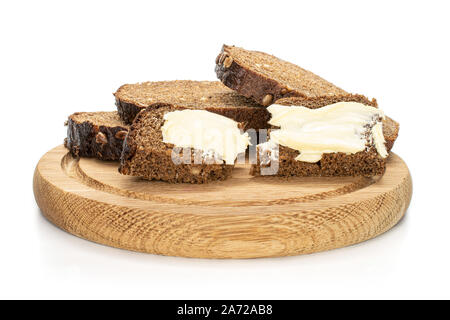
243	217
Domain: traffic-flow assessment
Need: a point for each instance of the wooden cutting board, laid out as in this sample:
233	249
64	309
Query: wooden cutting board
243	217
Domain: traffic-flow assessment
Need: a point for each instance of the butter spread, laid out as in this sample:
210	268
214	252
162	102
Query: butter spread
378	139
206	131
340	127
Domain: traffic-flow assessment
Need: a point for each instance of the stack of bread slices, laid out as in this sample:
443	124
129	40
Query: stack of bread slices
187	131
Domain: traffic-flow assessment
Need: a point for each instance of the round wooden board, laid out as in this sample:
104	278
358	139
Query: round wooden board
243	217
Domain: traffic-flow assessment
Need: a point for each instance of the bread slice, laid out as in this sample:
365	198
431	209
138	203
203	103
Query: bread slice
212	96
266	78
96	134
146	155
364	163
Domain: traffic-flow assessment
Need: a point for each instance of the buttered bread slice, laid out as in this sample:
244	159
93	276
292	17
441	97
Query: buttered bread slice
346	138
179	144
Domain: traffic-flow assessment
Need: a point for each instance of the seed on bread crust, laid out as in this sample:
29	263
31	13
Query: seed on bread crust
227	62
222	57
121	134
267	100
101	138
284	91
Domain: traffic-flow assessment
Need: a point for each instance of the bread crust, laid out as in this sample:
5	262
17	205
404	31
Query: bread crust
322	101
390	132
90	138
127	111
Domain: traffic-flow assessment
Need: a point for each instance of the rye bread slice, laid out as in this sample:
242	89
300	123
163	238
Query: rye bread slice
212	96
365	163
95	134
146	155
266	78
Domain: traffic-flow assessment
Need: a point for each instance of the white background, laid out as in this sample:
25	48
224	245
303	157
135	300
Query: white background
58	57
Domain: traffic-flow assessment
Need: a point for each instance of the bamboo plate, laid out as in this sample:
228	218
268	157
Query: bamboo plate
243	217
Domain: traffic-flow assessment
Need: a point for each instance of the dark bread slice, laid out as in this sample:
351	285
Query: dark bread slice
212	96
365	163
266	78
146	155
95	134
